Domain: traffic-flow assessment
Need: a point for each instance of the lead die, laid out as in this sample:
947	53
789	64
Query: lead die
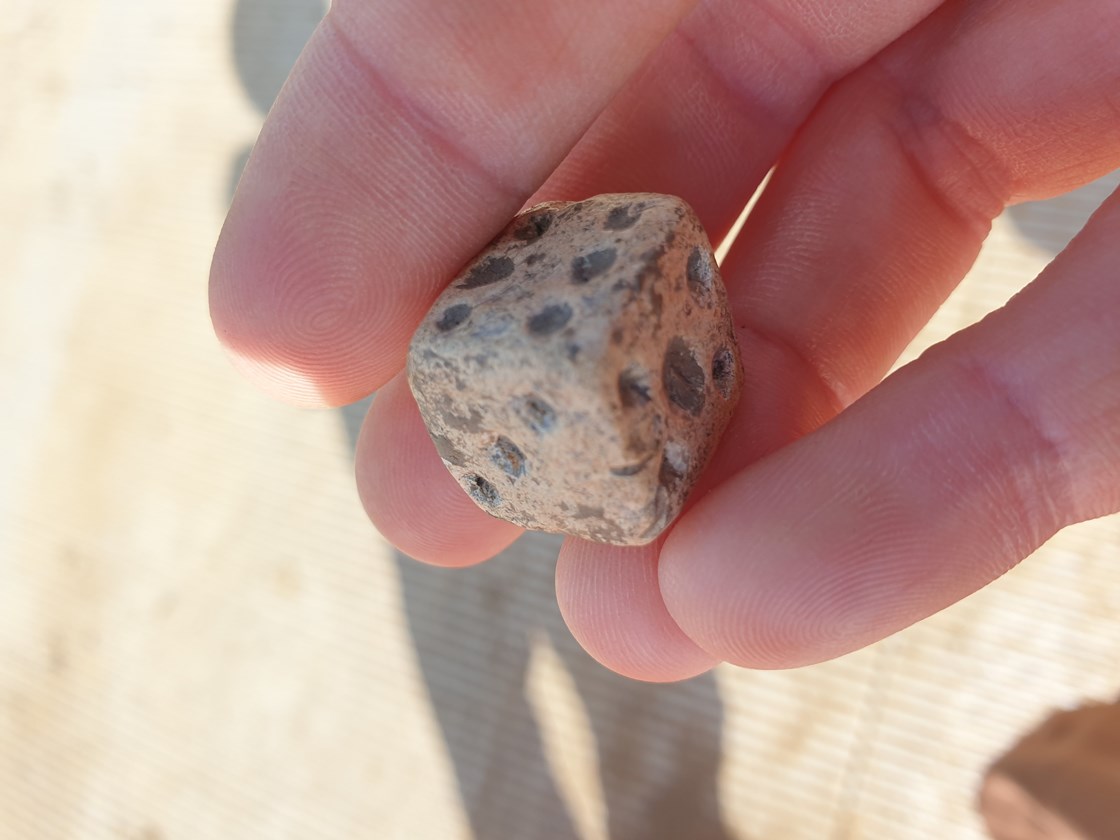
577	375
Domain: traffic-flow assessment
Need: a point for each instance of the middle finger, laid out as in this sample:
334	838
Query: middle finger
705	118
875	214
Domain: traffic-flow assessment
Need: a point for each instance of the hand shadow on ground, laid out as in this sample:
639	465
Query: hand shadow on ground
475	630
659	746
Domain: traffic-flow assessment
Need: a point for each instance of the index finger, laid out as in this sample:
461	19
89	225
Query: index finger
374	178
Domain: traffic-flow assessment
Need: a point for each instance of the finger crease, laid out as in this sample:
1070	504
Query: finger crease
439	137
955	168
1044	491
809	47
790	348
747	101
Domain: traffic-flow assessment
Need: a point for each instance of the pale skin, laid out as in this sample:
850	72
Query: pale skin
410	131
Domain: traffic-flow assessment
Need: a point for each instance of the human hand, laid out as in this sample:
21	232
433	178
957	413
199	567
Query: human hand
411	131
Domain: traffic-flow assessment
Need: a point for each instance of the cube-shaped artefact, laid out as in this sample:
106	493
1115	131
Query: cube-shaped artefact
577	375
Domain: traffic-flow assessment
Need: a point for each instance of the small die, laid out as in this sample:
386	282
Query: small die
577	375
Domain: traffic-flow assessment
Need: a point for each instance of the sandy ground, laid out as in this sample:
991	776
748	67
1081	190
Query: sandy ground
202	637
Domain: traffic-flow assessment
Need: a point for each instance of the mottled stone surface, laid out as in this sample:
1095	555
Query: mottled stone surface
576	376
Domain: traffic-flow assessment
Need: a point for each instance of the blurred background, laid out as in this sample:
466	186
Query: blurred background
201	636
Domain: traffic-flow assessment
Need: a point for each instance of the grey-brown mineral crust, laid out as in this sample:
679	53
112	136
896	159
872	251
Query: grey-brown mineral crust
576	376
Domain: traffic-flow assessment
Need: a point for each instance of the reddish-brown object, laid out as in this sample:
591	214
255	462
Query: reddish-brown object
577	375
1061	782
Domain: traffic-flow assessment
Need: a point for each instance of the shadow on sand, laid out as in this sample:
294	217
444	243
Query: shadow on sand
476	672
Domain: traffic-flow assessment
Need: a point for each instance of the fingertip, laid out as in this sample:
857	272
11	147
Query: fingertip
609	599
750	582
410	496
288	313
909	501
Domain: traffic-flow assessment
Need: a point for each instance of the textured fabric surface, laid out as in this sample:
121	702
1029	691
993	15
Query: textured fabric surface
202	637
